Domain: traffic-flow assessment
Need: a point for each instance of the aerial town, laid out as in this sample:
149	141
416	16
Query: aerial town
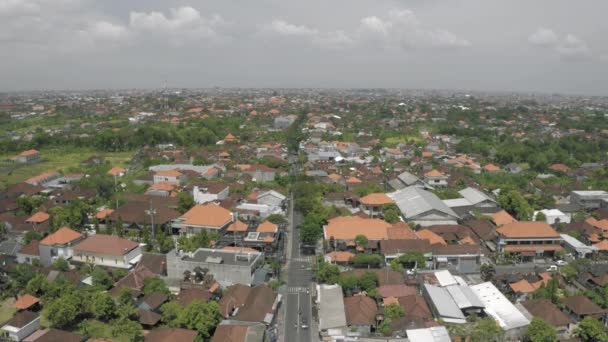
254	215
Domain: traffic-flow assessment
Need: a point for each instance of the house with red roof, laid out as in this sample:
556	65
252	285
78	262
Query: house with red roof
107	250
28	156
59	245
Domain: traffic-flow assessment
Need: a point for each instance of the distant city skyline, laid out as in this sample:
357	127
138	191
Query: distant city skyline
478	45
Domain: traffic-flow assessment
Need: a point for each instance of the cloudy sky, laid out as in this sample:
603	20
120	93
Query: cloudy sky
520	45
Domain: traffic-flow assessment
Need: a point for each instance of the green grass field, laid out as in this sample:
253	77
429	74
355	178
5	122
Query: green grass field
404	139
6	309
60	160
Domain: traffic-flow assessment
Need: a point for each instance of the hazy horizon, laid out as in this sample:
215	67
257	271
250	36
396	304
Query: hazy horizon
468	45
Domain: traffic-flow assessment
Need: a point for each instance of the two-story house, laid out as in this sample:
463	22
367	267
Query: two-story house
107	250
59	245
529	239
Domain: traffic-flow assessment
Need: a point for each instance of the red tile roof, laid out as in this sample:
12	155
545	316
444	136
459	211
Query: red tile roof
209	215
25	301
527	229
61	237
106	244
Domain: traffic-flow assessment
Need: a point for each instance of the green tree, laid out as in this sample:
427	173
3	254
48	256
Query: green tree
101	278
328	273
513	202
200	316
549	291
154	284
391	213
393	311
37	285
590	329
367	260
540	216
487	330
63	311
368	281
185	202
413	260
349	283
487	272
540	330
385	327
361	240
102	306
61	264
31	236
123	327
170	311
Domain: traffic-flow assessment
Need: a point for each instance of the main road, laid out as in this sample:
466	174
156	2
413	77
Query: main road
298	308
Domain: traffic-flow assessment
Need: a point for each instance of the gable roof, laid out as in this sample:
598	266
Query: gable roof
360	310
501	218
546	310
267	227
413	201
209	215
106	244
38	217
348	227
431	237
376	199
582	305
25	301
528	229
31	248
61	237
254	304
475	196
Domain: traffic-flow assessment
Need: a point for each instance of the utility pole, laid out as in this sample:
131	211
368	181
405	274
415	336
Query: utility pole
152	212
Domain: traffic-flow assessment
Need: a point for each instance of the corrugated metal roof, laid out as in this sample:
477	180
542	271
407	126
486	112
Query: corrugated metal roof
331	307
413	201
474	196
464	297
499	307
444	304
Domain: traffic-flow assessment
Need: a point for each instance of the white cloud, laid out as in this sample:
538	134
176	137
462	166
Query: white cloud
401	29
185	21
569	47
18	7
543	37
108	31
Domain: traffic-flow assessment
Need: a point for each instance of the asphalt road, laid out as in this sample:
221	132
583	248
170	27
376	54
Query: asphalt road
299	277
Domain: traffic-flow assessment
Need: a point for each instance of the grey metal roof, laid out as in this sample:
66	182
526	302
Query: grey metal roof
457	202
474	196
10	247
443	302
408	178
396	184
331	307
464	297
413	201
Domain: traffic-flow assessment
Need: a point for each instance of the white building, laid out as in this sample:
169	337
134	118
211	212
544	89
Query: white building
554	216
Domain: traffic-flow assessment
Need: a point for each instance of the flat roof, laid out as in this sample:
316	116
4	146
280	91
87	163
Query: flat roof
575	243
445	278
434	334
331	307
499	307
221	256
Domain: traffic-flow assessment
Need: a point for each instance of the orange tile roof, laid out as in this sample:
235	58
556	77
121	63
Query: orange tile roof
522	286
353	180
334	176
491	167
348	227
501	218
433	238
434	173
427	154
376	199
209	215
38	217
601	224
267	227
339	256
268	238
169	173
164	186
104	213
42	176
467	241
28	153
527	229
25	301
237	226
115	171
602	245
214	287
401	231
230	137
61	237
390	300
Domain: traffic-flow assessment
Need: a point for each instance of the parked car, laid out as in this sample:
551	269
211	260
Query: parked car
561	263
304	323
552	268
